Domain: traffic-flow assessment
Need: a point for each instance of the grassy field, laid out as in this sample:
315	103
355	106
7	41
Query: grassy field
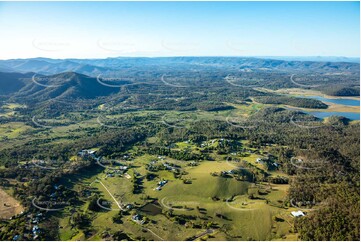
9	206
204	199
8	109
13	130
13	106
243	218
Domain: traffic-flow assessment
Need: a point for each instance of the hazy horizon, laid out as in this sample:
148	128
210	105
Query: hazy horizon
173	56
83	30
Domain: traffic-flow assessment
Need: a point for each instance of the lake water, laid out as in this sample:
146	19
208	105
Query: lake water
322	115
346	102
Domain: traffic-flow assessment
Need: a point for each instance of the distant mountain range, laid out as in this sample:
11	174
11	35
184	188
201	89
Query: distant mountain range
94	67
49	66
314	58
40	79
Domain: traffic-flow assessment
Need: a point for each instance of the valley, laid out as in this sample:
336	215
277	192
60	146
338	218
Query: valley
180	121
189	157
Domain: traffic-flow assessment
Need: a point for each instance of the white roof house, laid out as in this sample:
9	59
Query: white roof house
297	214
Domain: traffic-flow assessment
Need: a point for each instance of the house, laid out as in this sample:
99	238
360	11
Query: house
138	219
35	229
193	163
259	160
85	153
297	214
153	162
224	173
161	184
123	168
168	167
16	237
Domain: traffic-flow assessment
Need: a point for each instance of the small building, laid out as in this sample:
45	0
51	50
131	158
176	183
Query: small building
123	168
35	229
138	219
297	214
84	153
168	167
161	184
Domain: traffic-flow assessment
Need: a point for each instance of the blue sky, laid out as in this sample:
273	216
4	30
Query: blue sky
109	29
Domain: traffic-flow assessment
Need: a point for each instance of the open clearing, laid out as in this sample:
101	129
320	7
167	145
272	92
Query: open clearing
9	206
